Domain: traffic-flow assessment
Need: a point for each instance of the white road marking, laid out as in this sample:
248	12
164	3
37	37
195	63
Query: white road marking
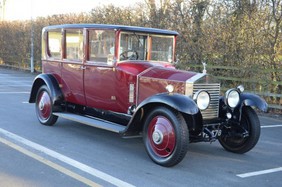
25	102
13	76
92	171
251	174
271	126
50	163
16	85
14	92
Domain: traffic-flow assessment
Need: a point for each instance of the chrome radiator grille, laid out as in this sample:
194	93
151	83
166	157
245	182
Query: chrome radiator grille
214	91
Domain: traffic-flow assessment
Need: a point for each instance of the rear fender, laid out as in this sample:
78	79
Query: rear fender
178	102
51	82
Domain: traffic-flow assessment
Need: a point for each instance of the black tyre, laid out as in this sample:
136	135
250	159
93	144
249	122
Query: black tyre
165	136
241	139
44	107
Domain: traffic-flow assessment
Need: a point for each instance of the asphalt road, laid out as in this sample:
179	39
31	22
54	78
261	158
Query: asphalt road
72	154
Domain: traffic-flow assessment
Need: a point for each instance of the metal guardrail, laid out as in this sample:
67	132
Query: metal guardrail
250	82
22	64
14	67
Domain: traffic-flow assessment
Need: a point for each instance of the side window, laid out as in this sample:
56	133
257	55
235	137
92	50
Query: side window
101	46
54	44
134	42
162	48
74	44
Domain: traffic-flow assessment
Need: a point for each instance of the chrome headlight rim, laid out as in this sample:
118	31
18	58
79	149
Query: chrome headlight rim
232	98
241	88
202	99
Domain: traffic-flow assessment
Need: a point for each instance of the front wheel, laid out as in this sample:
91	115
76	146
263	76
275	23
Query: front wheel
242	138
44	107
165	136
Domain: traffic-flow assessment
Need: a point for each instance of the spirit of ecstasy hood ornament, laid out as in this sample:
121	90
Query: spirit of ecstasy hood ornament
205	65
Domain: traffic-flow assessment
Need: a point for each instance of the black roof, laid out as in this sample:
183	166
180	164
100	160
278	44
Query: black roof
112	27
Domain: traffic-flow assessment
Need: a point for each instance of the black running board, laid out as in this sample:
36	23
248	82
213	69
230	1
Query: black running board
91	121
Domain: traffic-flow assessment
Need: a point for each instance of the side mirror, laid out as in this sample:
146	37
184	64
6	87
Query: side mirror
176	60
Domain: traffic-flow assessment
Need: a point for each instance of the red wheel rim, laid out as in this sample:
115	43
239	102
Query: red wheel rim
44	105
161	136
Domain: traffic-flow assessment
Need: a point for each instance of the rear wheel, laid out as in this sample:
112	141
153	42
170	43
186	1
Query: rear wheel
44	107
165	136
242	138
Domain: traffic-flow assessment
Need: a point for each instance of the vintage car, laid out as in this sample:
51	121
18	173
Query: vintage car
123	79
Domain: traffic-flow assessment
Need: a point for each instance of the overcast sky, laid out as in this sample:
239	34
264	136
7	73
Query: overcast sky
25	9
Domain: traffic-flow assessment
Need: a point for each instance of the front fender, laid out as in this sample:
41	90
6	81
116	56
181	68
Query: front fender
248	99
176	101
51	82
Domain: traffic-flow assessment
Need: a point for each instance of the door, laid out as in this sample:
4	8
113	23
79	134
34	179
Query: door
99	73
100	89
72	66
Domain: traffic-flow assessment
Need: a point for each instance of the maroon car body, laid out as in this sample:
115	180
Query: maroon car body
123	79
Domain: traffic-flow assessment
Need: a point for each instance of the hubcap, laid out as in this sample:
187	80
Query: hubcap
41	105
44	106
161	136
157	137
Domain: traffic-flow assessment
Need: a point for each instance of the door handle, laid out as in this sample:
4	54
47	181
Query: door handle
82	68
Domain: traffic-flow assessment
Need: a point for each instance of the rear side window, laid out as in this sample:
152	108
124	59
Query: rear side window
74	44
55	44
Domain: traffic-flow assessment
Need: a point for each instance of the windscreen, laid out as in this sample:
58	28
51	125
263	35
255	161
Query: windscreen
141	46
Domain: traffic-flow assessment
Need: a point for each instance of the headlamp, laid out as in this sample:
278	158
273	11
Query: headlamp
232	98
202	98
